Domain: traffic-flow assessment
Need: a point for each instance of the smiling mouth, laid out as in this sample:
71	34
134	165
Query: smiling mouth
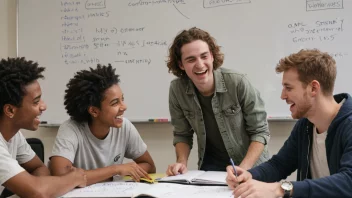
119	117
201	72
292	105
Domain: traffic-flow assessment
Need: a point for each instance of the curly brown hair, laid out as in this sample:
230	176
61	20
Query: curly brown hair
188	36
311	64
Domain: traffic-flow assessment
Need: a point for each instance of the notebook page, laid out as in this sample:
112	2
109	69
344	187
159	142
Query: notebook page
156	190
216	177
106	189
183	177
171	190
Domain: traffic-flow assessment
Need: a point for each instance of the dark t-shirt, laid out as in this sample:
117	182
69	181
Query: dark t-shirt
216	157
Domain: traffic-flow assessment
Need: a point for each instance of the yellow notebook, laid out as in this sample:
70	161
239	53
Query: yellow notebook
154	177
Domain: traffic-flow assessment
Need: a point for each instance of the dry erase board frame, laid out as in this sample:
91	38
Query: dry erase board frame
254	35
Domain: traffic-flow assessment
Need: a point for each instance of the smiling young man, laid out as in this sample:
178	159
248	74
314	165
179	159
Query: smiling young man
219	105
320	145
97	137
21	171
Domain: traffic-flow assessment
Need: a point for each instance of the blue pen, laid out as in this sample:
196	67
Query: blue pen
233	166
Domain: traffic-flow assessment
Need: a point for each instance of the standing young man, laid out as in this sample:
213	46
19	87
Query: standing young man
21	171
320	145
97	137
219	105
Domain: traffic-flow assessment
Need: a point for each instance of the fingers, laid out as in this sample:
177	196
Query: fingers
81	176
183	169
242	178
172	170
248	193
168	170
231	183
141	172
230	175
176	169
240	189
136	172
135	177
84	183
230	170
243	175
231	179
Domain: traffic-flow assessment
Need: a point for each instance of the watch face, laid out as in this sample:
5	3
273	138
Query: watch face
286	185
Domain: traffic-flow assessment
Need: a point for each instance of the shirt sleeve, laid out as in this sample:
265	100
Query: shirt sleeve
66	142
135	145
253	111
25	152
281	165
9	167
183	131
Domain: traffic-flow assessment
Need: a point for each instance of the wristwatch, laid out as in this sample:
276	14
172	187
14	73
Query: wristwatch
287	187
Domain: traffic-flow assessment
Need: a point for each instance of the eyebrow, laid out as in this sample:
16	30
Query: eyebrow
115	100
38	97
286	84
202	54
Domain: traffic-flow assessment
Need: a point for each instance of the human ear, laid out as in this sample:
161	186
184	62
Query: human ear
93	111
315	87
9	110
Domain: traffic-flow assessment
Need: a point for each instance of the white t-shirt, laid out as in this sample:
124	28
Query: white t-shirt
318	161
13	153
76	143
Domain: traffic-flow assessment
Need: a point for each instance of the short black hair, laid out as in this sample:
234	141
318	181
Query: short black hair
87	89
15	74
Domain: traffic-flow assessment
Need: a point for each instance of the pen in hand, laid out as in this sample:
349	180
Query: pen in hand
233	166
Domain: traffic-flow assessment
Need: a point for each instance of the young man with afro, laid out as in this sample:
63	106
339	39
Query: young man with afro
21	170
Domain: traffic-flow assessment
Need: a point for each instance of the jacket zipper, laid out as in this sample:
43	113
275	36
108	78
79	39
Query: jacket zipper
308	157
307	131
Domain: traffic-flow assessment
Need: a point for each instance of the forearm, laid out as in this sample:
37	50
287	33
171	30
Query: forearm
57	186
41	171
255	149
93	176
182	152
47	186
101	174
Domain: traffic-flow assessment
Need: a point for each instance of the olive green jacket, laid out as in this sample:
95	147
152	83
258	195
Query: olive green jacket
238	109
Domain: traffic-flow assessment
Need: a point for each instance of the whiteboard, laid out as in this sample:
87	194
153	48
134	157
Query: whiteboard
134	35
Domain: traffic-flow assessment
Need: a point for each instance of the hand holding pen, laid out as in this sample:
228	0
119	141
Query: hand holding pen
236	175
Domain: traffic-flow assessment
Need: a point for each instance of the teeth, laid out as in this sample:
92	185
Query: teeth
119	117
289	103
200	72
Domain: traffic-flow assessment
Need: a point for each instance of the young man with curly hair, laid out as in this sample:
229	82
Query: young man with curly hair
97	137
220	105
320	144
21	171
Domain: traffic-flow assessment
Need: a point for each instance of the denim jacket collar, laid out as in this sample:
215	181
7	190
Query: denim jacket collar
220	85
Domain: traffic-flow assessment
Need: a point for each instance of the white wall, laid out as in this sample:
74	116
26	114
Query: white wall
158	136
